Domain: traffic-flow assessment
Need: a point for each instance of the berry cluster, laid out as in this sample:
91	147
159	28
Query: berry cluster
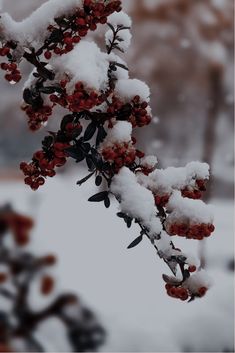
196	191
119	155
18	225
177	292
79	100
183	293
37	116
5	50
135	112
190	231
13	74
44	163
71	30
139	114
161	200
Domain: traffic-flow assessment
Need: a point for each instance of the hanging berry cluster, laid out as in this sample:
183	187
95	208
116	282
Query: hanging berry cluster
98	130
21	269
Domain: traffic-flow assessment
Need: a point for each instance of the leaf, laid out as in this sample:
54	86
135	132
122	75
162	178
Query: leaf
121	28
56	36
47	90
135	242
98	180
107	202
75	153
122	66
111	27
121	215
86	147
128	221
80	182
100	135
90	163
101	196
90	131
27	96
48	141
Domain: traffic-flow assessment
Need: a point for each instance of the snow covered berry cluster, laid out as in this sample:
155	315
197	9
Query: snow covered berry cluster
103	108
19	270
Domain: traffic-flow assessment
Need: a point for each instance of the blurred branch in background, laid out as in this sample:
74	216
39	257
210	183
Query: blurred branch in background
19	320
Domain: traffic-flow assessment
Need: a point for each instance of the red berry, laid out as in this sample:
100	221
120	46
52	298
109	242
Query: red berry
192	268
47	54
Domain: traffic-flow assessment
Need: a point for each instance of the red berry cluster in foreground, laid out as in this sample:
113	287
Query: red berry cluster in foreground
182	293
136	111
44	164
139	115
13	74
122	154
37	116
177	292
195	231
5	50
93	13
79	100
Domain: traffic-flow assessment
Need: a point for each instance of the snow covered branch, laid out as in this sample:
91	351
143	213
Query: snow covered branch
95	87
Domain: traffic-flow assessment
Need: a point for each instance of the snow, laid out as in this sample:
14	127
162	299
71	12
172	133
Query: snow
120	73
125	38
121	132
94	262
149	161
120	19
166	180
135	200
86	63
184	209
198	280
32	30
129	88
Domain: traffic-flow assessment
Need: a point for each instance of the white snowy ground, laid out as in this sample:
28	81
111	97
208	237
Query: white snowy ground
123	286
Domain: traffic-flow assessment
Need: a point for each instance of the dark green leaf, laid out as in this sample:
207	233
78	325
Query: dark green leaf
90	163
107	202
75	153
66	119
98	180
80	182
101	196
111	27
121	215
48	141
135	242
100	135
47	90
90	131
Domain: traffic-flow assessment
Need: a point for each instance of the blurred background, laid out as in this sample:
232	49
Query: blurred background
184	50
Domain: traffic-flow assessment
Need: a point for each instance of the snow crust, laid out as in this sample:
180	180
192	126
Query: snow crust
135	200
121	132
32	30
198	280
85	63
188	210
149	161
120	18
127	89
166	180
